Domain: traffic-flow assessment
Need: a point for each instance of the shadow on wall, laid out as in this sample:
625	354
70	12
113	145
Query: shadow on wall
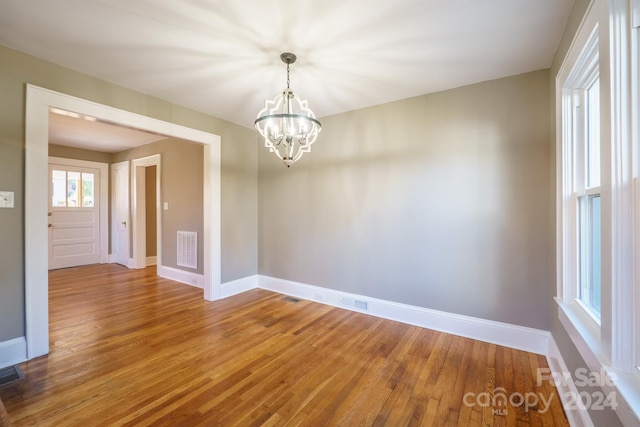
436	201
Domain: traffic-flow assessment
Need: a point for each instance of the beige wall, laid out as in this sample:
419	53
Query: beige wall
11	221
79	154
439	201
238	163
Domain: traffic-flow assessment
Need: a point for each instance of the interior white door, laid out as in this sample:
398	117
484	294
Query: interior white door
74	216
120	213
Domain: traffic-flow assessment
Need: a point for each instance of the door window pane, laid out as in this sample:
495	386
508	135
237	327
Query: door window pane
72	189
73	185
87	189
58	188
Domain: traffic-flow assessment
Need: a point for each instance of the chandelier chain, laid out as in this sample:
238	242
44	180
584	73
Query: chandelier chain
288	82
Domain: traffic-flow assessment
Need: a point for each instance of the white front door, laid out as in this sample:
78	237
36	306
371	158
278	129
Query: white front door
74	216
120	213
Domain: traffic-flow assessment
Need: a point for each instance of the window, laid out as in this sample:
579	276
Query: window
598	176
581	181
586	144
72	189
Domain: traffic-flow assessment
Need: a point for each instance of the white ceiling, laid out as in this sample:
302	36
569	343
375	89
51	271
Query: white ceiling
79	131
221	57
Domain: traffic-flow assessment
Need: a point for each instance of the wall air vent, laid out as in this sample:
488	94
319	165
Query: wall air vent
187	249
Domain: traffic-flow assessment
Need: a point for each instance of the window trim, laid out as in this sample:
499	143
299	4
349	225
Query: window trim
623	266
635	149
578	71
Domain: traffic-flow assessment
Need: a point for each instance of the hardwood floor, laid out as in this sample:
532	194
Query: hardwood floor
4	416
128	348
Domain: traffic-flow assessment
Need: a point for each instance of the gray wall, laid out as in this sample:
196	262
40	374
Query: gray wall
439	201
11	222
569	352
238	182
181	180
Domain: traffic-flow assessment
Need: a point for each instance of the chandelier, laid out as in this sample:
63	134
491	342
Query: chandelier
287	124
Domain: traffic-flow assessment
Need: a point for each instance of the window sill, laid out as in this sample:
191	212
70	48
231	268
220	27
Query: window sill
582	332
587	340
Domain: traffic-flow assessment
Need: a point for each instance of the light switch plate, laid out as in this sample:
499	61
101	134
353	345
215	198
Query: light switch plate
6	199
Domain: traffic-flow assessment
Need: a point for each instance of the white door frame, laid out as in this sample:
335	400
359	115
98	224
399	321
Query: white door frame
38	102
104	198
138	214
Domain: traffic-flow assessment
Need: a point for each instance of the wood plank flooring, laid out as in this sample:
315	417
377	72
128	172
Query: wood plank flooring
129	348
4	416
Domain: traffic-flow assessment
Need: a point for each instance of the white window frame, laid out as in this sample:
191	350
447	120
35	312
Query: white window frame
577	72
81	195
584	73
624	215
614	346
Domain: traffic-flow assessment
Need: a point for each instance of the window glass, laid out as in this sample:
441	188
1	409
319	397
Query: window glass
73	185
87	189
58	188
590	254
72	189
593	135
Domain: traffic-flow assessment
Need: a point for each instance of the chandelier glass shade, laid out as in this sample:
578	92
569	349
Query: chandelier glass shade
287	124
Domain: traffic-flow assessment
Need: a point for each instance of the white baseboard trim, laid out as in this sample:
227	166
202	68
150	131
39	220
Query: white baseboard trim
518	337
112	261
238	286
13	351
186	277
152	260
577	417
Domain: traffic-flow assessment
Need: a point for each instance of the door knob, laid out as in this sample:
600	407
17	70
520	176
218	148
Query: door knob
49	225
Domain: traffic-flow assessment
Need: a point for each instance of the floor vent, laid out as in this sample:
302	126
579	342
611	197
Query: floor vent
187	249
362	305
290	299
10	374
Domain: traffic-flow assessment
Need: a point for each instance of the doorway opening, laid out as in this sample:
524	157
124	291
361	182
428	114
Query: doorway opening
151	214
145	213
39	101
77	213
139	222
